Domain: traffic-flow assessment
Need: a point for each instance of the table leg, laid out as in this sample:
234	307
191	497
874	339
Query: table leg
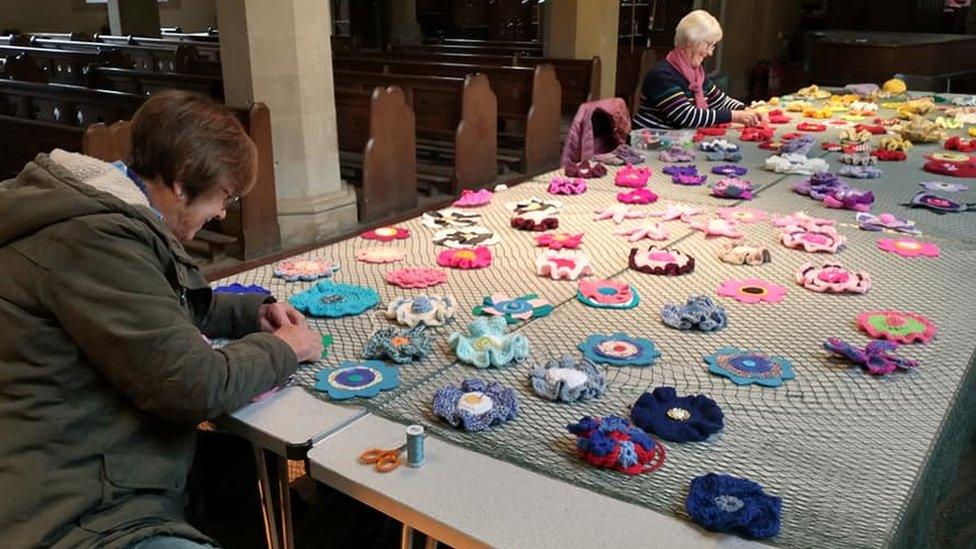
267	504
406	537
284	498
431	543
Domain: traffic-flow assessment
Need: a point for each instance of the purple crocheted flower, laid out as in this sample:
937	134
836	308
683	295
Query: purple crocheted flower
723	503
850	199
476	405
729	170
798	145
876	357
678	419
237	288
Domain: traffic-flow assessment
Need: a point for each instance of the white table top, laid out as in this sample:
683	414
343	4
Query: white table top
465	499
289	417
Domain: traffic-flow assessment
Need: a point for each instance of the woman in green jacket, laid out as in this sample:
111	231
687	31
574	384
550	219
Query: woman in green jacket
104	370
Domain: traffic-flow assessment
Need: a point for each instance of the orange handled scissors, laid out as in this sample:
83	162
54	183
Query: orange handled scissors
383	460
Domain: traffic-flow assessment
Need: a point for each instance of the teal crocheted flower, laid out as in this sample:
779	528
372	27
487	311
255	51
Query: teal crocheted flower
400	345
334	300
357	379
488	345
619	349
513	309
747	367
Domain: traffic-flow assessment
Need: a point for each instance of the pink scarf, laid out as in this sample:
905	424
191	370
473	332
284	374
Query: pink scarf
694	75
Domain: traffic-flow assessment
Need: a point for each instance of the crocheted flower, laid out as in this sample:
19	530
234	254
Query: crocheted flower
676	154
584	169
832	278
944	187
386	234
801	219
752	291
732	187
938	204
607	294
748	367
363	379
328	299
712	145
723	503
684	212
849	199
429	310
898	326
535	221
473	199
488	345
566	185
416	277
380	255
717	227
445	219
534	204
630	176
237	288
741	253
796	164
476	405
885	221
678	419
305	269
908	247
821	238
685	175
563	264
637	196
478	257
742	215
877	357
619	349
558	241
618	213
513	309
729	170
660	261
653	230
698	313
860	172
567	380
466	237
399	345
612	442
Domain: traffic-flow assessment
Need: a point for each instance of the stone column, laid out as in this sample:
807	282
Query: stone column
404	28
581	29
135	17
279	53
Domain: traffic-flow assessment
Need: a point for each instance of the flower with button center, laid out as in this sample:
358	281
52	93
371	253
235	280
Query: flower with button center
752	291
524	307
908	247
386	234
723	503
478	257
820	238
898	326
328	299
567	380
607	294
678	419
660	261
619	349
748	367
429	310
363	379
559	240
487	345
399	345
832	278
476	405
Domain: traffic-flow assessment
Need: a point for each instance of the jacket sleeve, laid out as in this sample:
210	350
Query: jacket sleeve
117	305
233	315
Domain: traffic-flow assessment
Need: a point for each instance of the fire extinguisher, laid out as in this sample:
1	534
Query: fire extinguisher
775	82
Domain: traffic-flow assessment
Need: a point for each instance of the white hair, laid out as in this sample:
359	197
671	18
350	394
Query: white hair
697	27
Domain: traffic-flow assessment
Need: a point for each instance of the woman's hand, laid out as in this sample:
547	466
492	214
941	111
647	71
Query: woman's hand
747	117
306	344
272	316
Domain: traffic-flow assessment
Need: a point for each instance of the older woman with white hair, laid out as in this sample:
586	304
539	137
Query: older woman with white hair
677	94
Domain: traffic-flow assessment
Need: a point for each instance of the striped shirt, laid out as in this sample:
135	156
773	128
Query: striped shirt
667	102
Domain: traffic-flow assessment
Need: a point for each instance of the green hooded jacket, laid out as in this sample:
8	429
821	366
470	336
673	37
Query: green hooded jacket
103	370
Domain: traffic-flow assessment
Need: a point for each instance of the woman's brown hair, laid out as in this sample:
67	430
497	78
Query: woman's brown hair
186	137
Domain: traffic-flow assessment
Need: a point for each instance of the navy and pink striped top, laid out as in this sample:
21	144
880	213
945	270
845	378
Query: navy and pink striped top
667	102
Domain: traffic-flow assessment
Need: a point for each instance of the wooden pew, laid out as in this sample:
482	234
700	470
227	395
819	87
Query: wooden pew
527	98
378	141
462	111
486	47
67	66
147	82
206	50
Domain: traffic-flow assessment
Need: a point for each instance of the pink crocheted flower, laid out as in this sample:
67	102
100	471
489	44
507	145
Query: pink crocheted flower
558	241
908	247
752	291
380	255
631	176
416	277
742	215
386	234
717	227
813	238
473	199
653	230
566	185
465	258
563	265
801	219
637	196
305	269
899	326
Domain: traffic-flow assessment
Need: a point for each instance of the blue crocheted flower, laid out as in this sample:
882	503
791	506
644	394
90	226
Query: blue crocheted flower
613	443
678	419
619	349
476	405
237	288
699	313
357	379
400	345
723	503
334	300
488	345
514	309
745	367
568	380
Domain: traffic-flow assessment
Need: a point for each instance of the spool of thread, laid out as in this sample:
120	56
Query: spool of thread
415	446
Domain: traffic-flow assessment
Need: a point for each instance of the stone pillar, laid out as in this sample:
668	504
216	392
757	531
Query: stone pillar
404	28
135	17
580	29
279	53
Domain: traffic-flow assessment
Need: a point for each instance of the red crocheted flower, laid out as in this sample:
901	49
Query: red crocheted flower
465	258
386	234
757	133
808	127
886	155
